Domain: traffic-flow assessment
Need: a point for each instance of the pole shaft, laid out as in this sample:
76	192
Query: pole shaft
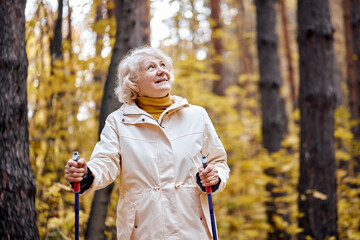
77	216
212	216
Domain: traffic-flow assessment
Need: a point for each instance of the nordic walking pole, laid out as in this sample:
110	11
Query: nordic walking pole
76	157
208	192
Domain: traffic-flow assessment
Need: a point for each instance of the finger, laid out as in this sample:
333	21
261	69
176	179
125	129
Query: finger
208	169
81	163
208	179
214	173
77	170
73	179
75	175
71	163
210	182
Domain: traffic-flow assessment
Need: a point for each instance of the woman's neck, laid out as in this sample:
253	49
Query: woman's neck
154	106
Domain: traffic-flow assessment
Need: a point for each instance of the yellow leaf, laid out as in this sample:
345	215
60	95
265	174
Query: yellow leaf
280	223
341	155
251	233
317	194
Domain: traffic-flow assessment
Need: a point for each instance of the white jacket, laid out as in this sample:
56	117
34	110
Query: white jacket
156	162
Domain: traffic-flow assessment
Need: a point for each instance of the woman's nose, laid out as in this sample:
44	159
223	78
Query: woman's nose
160	71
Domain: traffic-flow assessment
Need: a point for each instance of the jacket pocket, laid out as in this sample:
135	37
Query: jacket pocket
126	212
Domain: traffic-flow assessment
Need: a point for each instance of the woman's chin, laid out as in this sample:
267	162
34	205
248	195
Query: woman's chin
156	94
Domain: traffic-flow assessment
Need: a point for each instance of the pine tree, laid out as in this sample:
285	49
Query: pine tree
317	99
17	188
272	105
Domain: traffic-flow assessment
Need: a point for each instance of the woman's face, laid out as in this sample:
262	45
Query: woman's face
154	78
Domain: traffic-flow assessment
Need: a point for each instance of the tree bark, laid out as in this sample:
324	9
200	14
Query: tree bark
17	188
350	66
69	36
100	72
350	73
133	30
219	85
272	105
270	77
291	76
355	30
241	29
318	81
56	41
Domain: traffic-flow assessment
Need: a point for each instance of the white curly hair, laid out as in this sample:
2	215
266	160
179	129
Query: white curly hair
128	71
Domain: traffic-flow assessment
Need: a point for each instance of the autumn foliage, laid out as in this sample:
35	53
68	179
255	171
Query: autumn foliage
64	101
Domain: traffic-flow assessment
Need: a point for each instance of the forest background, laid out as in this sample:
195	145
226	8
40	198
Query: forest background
216	50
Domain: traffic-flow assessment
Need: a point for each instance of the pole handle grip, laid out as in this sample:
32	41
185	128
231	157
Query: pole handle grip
205	163
76	157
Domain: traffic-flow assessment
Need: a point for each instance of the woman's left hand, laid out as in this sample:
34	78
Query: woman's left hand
209	176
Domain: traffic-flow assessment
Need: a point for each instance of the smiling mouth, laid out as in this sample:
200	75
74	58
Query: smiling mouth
162	80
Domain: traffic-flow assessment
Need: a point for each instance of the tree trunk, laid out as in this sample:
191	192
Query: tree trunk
241	29
272	105
69	36
219	85
270	78
133	30
350	72
17	188
318	81
291	76
100	72
56	41
355	30
52	112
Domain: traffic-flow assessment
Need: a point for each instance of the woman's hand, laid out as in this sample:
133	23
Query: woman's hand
74	171
209	176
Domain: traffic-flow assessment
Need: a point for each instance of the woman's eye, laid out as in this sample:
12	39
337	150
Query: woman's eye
163	65
150	67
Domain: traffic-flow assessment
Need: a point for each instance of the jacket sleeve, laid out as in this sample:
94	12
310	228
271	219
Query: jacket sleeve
215	152
105	159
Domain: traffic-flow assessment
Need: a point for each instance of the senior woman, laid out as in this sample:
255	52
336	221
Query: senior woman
155	143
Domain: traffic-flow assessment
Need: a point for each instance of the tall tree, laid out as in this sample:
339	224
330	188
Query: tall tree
55	120
100	72
317	99
352	86
272	105
133	30
56	41
290	73
242	27
355	31
219	85
350	66
17	188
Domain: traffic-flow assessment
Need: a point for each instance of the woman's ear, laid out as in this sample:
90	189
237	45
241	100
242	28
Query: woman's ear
137	88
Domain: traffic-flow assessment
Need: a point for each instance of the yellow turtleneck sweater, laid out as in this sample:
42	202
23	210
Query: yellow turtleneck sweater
154	106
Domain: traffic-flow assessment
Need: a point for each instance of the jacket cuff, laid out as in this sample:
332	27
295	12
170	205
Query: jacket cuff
213	187
86	183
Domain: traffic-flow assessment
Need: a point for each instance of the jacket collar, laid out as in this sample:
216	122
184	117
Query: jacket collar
133	114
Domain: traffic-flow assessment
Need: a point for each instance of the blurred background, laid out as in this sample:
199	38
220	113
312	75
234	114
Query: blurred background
237	58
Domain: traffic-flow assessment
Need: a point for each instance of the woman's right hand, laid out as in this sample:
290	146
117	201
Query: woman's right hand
75	170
